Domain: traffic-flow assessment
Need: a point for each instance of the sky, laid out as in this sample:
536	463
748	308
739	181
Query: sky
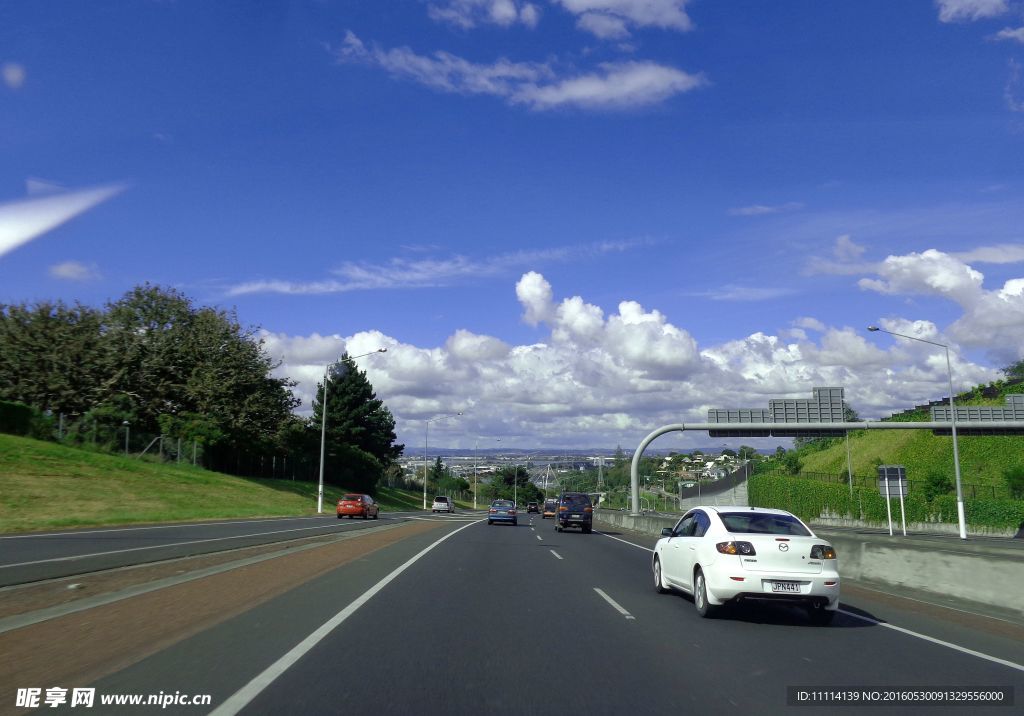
574	221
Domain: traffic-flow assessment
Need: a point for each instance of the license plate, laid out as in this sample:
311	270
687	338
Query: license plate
577	517
786	587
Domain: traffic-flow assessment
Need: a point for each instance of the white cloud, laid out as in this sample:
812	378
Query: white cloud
1009	33
606	27
423	273
535	85
620	85
762	209
931	272
746	293
22	221
1000	254
467	14
809	323
846	255
611	18
75	271
13	75
601	379
970	10
1012	89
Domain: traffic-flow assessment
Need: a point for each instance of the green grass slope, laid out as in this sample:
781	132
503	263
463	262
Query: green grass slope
982	458
47	486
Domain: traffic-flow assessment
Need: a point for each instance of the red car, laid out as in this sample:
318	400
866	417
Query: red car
358	506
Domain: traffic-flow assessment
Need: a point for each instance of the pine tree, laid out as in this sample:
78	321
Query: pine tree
360	430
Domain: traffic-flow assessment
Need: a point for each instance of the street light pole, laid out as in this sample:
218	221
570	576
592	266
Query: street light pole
323	427
426	438
952	416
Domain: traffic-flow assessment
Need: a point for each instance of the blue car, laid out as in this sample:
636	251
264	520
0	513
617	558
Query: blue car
502	511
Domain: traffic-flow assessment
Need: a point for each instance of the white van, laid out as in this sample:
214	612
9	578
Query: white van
443	504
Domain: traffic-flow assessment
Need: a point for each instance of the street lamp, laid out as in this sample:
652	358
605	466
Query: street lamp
323	425
426	435
127	431
952	417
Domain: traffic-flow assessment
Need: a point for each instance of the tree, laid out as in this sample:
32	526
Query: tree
791	463
1015	371
359	426
936	483
1014	477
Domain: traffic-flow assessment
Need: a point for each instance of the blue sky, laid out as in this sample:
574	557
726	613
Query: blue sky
574	220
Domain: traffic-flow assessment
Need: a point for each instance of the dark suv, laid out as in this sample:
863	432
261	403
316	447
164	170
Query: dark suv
574	510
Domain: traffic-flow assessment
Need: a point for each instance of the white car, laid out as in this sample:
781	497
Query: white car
443	504
734	554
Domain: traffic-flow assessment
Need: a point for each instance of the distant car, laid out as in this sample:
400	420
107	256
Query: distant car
550	508
358	506
443	504
502	511
574	510
532	507
736	554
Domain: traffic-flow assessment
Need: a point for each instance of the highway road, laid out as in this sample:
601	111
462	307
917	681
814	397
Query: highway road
36	556
458	617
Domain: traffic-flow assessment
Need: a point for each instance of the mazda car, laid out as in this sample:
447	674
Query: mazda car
358	506
723	555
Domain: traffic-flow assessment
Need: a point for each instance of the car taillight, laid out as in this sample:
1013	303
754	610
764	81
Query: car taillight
736	548
563	508
492	511
588	509
511	512
822	551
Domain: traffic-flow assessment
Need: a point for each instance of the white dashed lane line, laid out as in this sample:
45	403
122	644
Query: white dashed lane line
615	605
557	554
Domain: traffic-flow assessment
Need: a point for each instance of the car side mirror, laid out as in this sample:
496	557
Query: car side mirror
667	532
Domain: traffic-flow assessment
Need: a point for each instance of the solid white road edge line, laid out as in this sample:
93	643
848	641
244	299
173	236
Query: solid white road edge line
615	605
940	642
241	698
557	554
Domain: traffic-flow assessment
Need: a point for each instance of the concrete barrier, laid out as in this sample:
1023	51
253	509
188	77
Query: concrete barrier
983	571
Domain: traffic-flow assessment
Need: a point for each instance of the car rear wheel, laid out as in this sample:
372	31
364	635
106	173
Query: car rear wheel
340	516
376	514
700	596
490	522
366	514
659	585
587	529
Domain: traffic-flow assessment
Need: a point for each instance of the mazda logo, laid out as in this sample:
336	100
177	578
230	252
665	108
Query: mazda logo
783	547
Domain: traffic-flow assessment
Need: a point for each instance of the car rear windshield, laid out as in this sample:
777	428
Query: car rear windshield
760	523
502	503
352	498
576	501
551	503
440	499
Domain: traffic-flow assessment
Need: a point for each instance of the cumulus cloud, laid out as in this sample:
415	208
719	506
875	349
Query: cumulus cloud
75	271
970	10
763	209
601	378
538	86
931	272
25	220
613	18
467	14
13	75
1012	89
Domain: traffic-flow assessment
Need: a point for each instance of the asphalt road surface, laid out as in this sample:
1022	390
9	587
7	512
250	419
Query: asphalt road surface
37	556
471	618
